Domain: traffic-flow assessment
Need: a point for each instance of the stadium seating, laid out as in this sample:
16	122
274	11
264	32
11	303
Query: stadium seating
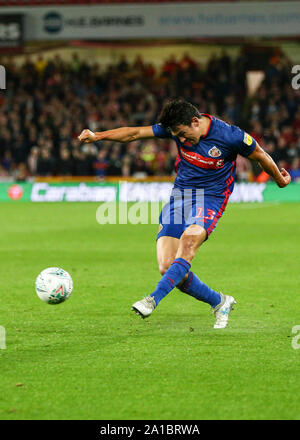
48	103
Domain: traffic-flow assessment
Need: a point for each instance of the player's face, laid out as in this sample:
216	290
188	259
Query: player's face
188	133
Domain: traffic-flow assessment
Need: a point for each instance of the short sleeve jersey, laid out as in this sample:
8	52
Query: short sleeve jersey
210	165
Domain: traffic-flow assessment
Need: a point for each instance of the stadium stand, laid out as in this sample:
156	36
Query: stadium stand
48	103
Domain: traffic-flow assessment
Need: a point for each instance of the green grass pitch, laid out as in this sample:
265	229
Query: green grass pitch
92	358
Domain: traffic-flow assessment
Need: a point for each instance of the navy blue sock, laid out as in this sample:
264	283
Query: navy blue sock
170	279
193	286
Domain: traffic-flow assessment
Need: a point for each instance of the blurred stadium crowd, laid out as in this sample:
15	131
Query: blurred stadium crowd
47	103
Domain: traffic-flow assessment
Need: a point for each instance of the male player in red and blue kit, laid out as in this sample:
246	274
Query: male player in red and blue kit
207	151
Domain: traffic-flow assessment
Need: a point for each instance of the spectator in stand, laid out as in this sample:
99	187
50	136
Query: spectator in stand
75	62
66	163
40	65
114	165
225	62
295	170
7	161
149	71
281	154
45	163
288	134
126	166
32	160
21	173
170	67
3	172
123	65
257	132
187	63
139	168
138	65
82	163
100	164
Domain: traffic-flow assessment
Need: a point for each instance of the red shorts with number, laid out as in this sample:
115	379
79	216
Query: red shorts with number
179	213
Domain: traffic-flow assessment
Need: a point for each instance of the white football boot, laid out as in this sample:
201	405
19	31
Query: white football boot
144	307
222	310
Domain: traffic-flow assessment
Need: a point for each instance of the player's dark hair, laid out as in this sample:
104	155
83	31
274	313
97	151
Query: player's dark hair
177	112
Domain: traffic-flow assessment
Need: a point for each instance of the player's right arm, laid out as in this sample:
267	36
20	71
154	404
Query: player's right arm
247	146
122	134
281	177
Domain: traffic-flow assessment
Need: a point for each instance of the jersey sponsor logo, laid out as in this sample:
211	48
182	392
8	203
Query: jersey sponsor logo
214	152
247	139
201	161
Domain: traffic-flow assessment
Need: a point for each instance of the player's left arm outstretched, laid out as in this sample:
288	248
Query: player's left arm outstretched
122	134
281	177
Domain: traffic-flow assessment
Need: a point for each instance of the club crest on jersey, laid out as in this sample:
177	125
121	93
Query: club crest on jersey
214	152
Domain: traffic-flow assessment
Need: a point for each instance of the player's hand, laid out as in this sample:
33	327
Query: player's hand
87	136
286	178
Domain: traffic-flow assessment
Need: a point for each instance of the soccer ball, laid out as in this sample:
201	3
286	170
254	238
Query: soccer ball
53	285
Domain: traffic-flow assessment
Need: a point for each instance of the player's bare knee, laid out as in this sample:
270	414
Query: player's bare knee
164	266
187	251
189	244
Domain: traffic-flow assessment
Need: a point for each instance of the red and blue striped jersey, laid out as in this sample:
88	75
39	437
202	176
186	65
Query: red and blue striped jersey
210	165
